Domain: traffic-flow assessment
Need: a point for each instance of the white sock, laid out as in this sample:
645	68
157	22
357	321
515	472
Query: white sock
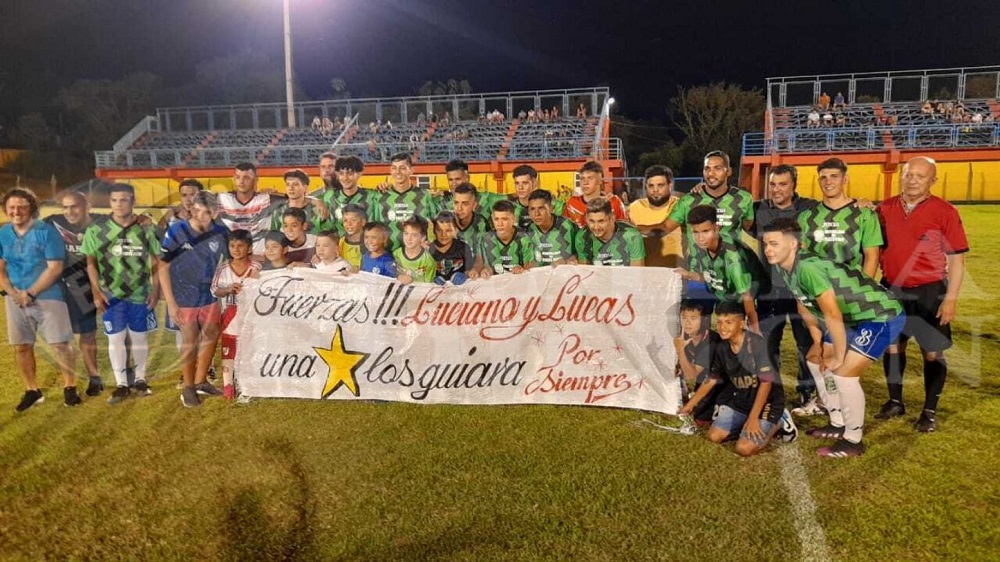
178	340
118	356
227	372
140	354
831	400
852	401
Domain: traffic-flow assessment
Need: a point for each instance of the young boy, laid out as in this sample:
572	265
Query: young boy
275	251
226	284
191	250
328	254
413	262
376	260
453	256
752	407
505	250
122	262
351	242
694	357
301	244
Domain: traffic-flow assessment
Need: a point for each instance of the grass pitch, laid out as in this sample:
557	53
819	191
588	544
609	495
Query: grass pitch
309	480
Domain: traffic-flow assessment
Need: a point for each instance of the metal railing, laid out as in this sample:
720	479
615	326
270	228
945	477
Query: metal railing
147	124
861	139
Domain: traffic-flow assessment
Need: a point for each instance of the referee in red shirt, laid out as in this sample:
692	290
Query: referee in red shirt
922	264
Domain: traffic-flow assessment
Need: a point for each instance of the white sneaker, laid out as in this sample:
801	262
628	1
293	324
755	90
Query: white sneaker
810	408
787	432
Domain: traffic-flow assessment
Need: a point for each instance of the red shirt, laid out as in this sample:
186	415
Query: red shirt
917	246
576	209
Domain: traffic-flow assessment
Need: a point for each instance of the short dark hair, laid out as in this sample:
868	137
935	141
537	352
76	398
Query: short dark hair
242	236
456	164
446	217
297	174
702	214
351	164
543	194
400	156
329	233
191	182
782	169
417	223
23	193
695	305
206	199
525	170
356	209
276	236
832	164
504	206
599	205
381	227
247	167
592	166
122	188
730	308
297	214
658	170
465	187
718	154
784	225
328	154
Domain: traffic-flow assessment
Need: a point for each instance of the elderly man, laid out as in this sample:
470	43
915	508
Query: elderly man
922	264
31	261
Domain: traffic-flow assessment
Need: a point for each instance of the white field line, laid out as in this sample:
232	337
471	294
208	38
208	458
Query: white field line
793	475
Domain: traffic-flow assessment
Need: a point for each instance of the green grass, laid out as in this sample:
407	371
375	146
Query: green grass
308	480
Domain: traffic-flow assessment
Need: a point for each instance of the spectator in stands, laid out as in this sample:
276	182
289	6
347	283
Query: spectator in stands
505	249
522	115
839	102
939	108
977	118
651	212
78	294
301	244
553	236
841	120
247	209
827	119
607	240
892	120
591	184
926	108
554	114
421	119
327	126
581	111
31	260
988	118
812	121
824	101
446	120
545	116
317	123
296	185
531	116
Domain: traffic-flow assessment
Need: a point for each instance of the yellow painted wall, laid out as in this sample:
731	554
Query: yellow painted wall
957	181
865	181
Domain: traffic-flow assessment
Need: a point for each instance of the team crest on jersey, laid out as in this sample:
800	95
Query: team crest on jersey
339	213
213	245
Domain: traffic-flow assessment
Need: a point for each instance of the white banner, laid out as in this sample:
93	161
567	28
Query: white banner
575	335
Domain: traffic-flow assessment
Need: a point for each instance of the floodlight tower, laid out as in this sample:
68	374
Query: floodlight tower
289	95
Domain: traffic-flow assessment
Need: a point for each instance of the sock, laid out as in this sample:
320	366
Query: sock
140	353
178	339
227	372
934	374
852	402
831	400
118	356
894	364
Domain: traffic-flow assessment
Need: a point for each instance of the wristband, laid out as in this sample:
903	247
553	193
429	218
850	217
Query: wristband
30	296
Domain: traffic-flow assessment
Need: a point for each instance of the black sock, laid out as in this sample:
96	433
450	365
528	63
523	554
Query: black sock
934	374
894	364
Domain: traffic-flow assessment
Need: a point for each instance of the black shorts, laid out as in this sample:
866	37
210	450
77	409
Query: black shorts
82	311
921	305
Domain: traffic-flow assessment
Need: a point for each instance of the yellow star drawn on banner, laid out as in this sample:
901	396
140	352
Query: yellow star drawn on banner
342	364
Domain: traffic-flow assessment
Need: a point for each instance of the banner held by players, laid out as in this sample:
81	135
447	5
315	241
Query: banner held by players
574	335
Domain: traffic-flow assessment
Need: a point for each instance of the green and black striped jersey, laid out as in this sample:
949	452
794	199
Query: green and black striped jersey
394	208
732	271
123	255
732	208
502	257
336	201
840	235
624	246
859	297
559	243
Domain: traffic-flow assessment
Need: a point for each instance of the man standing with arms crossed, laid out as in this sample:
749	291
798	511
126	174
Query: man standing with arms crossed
922	264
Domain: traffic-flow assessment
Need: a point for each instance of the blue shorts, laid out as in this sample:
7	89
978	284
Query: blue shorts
698	291
871	339
731	421
126	314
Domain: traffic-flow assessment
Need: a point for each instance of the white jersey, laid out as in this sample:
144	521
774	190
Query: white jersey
226	277
253	216
338	265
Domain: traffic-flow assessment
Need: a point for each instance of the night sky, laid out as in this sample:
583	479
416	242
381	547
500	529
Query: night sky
388	47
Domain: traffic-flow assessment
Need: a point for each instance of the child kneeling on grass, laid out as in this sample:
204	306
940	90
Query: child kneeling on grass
751	411
227	283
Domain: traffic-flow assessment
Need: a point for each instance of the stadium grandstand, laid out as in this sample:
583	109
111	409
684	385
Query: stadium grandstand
881	120
493	132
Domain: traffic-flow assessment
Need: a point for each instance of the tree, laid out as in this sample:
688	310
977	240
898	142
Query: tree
100	111
339	88
667	154
451	87
982	86
32	131
714	117
244	77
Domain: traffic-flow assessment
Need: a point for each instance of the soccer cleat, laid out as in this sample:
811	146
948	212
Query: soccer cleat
842	448
119	395
206	388
828	431
891	409
142	389
130	376
229	392
95	386
211	373
190	398
927	422
31	397
809	408
787	432
70	396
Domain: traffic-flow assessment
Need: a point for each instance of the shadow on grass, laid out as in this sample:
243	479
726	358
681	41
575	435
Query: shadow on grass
250	533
